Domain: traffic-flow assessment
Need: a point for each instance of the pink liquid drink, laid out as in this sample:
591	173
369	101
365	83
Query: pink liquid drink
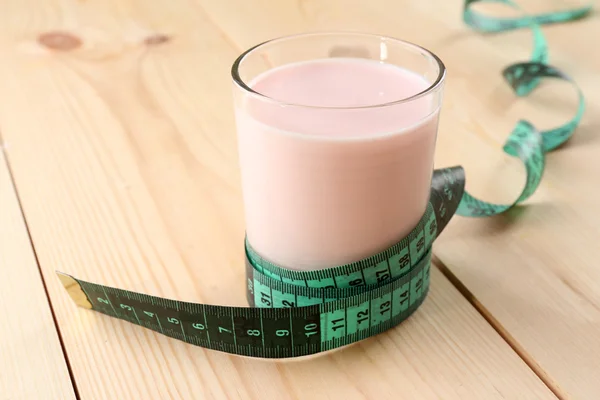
336	153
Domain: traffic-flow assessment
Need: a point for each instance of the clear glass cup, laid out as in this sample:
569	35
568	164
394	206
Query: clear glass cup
328	184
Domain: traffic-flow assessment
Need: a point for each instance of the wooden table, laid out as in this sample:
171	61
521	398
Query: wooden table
120	167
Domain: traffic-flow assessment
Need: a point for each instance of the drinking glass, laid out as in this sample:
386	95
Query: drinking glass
327	184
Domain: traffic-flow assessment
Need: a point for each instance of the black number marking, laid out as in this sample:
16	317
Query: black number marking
362	316
420	244
432	228
419	284
404	297
357	282
287	303
385	307
382	276
404	261
336	321
265	299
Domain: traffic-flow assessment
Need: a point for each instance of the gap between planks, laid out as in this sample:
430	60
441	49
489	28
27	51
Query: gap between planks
13	184
497	326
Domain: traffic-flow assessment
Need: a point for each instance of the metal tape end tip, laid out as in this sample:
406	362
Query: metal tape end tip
60	274
74	290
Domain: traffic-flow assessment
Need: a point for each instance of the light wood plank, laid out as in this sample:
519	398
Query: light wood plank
32	363
125	160
534	271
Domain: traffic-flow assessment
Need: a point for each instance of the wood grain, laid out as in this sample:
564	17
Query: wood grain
32	363
122	143
533	271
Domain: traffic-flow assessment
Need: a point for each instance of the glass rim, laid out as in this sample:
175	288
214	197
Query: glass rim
237	79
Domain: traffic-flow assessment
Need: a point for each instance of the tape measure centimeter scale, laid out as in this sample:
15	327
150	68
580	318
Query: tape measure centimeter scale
297	313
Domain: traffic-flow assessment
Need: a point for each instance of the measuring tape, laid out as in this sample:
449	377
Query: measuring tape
296	313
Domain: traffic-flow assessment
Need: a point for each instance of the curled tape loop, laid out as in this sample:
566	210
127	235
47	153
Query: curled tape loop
525	142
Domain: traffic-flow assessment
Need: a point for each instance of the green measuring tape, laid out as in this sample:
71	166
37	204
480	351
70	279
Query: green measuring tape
296	313
525	142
